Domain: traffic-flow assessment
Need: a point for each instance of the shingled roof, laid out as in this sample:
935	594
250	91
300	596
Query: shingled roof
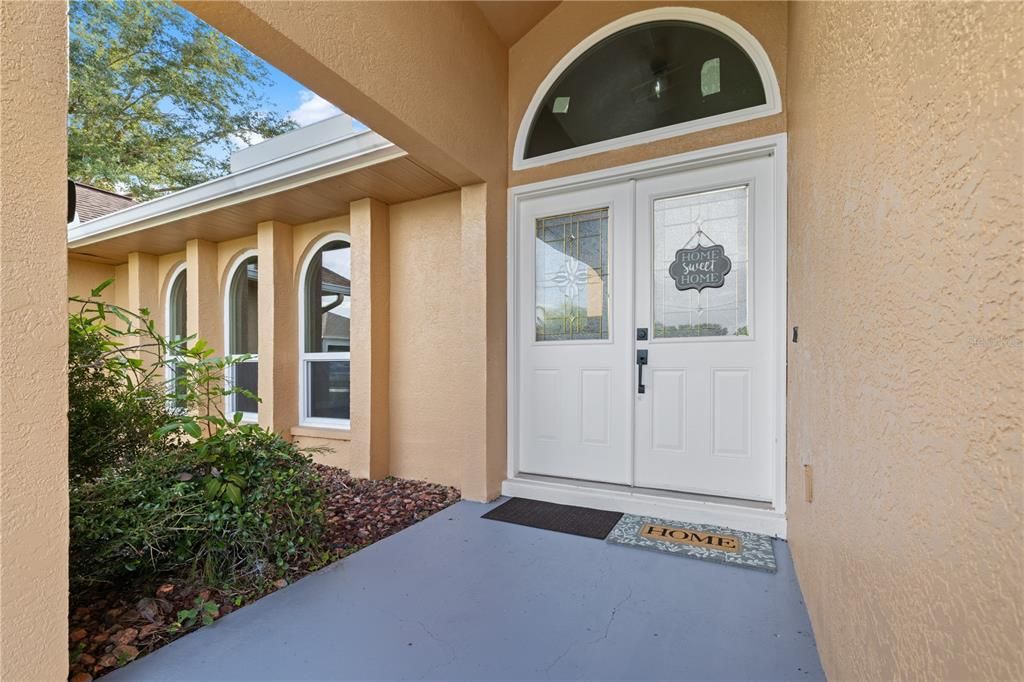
93	202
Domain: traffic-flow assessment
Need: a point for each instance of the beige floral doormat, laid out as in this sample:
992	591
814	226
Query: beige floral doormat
696	540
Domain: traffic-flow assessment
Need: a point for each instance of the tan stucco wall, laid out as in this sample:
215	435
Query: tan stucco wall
429	76
444	100
33	342
370	367
86	275
905	269
536	53
428	400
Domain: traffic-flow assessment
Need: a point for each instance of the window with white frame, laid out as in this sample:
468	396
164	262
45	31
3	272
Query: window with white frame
176	308
326	321
651	75
241	326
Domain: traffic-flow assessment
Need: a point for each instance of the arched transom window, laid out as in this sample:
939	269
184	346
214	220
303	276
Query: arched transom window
655	74
242	331
326	323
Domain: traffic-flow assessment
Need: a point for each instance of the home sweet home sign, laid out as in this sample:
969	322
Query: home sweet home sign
702	267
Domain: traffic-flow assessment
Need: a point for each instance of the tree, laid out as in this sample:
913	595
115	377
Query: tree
158	97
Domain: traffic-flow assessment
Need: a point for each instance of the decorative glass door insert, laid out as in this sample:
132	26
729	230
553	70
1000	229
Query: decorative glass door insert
571	288
712	304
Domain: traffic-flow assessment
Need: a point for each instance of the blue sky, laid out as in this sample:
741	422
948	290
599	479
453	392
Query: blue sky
287	98
291	99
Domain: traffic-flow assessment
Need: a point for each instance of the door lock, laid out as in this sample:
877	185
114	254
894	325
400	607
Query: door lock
641	333
641	360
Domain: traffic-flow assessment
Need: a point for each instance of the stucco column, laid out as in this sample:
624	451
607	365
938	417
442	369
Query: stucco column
278	327
144	293
144	285
371	292
483	333
33	336
205	315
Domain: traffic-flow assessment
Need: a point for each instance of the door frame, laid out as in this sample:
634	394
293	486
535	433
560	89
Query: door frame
768	517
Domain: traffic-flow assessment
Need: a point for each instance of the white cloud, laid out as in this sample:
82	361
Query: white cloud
312	108
244	140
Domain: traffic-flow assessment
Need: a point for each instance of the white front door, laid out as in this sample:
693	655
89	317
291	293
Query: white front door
681	268
706	420
576	400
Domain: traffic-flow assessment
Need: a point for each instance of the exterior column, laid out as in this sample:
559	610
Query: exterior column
144	291
205	314
484	323
371	292
278	329
143	285
33	336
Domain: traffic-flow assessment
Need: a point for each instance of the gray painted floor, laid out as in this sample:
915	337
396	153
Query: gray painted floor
460	597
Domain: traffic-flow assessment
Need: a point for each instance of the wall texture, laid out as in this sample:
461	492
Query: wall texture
86	275
905	269
432	78
33	341
428	399
443	97
532	58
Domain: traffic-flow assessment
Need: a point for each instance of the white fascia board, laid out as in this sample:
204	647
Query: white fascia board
301	168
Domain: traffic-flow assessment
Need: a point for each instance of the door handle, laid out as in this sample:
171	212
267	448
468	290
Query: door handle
641	360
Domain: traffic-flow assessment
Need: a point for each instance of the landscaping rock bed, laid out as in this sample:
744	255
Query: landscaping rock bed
109	628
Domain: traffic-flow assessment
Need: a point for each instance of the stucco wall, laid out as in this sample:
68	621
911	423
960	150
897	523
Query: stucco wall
429	76
536	53
85	275
428	401
905	387
33	342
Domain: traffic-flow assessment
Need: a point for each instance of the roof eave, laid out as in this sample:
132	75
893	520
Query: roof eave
306	166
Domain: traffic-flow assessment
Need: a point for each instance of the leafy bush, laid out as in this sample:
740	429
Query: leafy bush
159	513
159	491
114	406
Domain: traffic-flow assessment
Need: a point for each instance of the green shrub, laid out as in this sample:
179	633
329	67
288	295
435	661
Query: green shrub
266	506
159	514
139	518
194	490
113	408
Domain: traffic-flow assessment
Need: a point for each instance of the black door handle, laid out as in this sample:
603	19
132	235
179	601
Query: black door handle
641	360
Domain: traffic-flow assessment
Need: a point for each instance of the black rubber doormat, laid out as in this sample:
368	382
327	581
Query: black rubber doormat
562	518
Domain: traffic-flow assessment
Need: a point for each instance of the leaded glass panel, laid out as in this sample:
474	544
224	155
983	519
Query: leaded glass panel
571	288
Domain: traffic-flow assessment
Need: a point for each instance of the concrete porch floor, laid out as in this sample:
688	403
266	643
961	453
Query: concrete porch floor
460	597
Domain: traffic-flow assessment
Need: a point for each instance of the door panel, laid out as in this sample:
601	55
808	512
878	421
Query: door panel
595	265
575	266
706	421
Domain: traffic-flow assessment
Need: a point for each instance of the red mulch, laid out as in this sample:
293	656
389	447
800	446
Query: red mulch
109	628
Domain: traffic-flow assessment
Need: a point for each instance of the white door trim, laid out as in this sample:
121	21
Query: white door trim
736	515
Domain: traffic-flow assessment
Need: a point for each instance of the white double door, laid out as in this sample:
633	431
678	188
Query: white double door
610	273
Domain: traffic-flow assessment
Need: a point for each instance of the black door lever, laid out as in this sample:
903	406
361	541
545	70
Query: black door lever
641	360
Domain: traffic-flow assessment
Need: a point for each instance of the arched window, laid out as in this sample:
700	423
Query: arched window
241	328
326	321
652	75
176	324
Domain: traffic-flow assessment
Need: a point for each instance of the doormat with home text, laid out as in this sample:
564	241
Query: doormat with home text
696	540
